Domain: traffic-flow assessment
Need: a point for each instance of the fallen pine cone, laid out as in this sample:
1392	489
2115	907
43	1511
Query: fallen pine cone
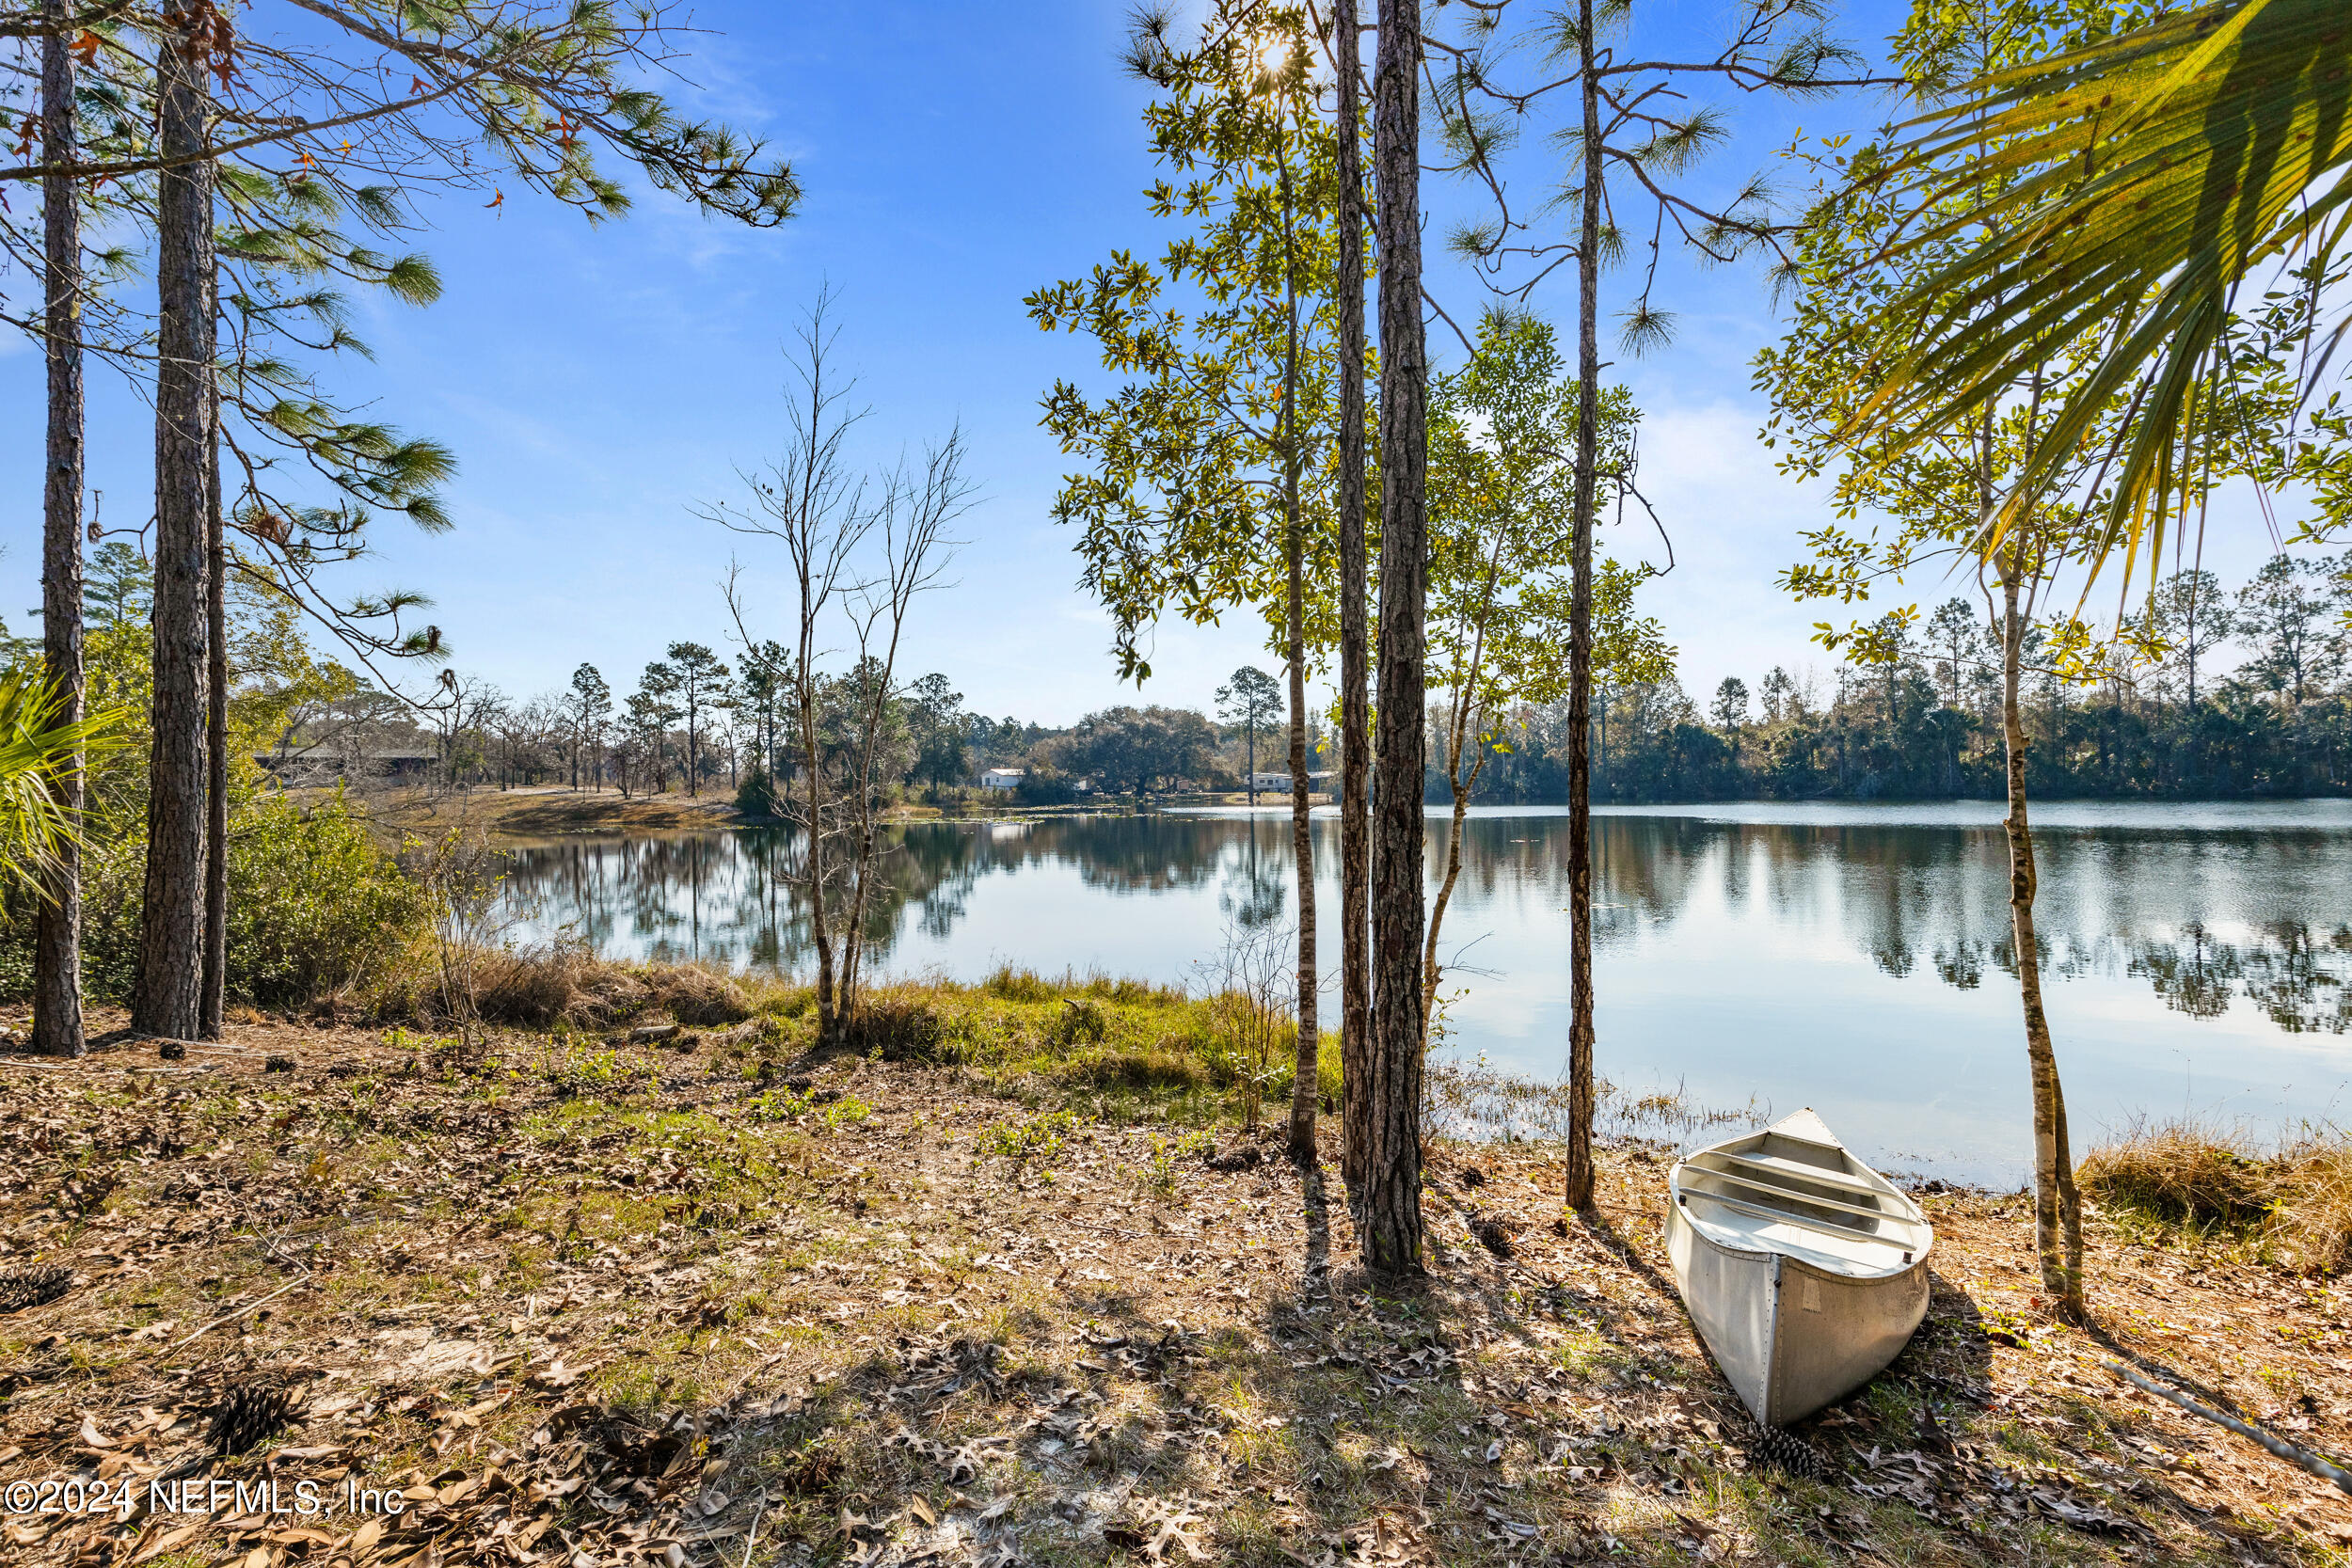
279	1063
30	1285
247	1415
1785	1451
1493	1237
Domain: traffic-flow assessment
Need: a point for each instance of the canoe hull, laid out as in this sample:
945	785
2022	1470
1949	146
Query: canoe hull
1789	1338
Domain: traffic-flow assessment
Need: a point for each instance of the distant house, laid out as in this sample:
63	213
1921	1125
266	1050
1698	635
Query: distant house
1003	778
319	765
1279	784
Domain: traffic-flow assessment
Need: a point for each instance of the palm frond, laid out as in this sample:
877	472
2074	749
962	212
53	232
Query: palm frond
2114	198
38	751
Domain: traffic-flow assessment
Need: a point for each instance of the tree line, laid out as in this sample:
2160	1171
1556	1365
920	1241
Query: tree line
2215	695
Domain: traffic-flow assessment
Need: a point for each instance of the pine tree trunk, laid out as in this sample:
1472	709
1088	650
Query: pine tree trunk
1307	1054
58	927
2057	1207
212	1004
1578	1185
171	937
1390	1224
1304	1084
1354	634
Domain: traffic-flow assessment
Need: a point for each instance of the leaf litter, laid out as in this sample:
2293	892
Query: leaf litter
667	1326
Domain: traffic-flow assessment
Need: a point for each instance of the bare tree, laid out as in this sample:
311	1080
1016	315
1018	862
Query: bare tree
818	509
917	506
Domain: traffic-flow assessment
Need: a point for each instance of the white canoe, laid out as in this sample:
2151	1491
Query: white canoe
1804	1269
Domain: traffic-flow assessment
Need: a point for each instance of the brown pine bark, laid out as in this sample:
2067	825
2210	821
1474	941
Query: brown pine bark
1306	1065
58	927
2057	1206
1308	1048
1579	1184
210	1004
1355	633
171	959
1390	1225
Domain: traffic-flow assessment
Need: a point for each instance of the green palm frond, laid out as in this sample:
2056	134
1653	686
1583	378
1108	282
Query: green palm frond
2136	182
37	753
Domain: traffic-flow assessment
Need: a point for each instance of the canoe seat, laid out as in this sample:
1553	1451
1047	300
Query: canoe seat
1773	1190
1793	1170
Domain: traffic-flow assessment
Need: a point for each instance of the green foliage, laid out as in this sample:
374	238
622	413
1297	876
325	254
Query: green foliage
1502	503
1863	302
593	1074
1033	1141
801	1105
314	904
1169	1155
40	749
1189	475
757	795
2143	173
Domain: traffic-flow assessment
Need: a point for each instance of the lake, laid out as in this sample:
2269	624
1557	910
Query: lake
1854	958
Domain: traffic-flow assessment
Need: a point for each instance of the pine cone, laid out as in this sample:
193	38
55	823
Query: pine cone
1783	1451
33	1285
1493	1237
247	1415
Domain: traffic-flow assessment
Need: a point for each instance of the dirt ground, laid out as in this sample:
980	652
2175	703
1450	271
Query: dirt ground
575	1303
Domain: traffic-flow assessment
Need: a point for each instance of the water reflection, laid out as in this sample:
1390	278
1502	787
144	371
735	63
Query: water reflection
1861	962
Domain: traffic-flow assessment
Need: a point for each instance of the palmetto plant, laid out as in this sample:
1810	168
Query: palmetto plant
2150	176
38	752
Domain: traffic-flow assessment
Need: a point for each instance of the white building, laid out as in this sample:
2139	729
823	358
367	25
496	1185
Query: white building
1003	778
1279	784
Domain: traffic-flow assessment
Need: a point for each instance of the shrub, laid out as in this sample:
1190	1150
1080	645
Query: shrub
2294	1200
757	797
315	908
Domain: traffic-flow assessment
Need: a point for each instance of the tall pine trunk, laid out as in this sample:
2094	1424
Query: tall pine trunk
1390	1224
1355	701
2057	1207
1308	1048
1306	1068
1578	1185
211	1007
57	929
171	938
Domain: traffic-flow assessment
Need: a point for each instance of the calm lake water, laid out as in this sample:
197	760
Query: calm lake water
1854	958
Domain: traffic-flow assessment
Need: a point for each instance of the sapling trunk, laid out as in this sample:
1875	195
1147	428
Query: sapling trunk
2057	1206
1579	1183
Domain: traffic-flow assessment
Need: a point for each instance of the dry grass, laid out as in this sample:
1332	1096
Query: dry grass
2293	1200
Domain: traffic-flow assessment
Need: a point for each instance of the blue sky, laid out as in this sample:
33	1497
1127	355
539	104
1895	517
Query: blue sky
597	383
